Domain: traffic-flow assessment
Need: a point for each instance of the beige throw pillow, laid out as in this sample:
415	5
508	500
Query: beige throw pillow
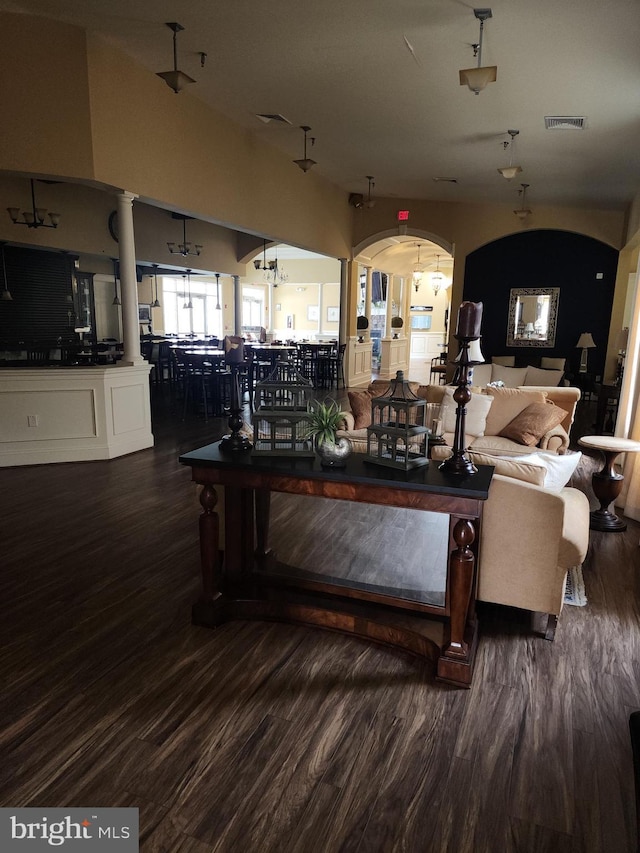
511	376
507	403
476	417
533	422
539	376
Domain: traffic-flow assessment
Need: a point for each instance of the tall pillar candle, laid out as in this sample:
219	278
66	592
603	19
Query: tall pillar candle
469	320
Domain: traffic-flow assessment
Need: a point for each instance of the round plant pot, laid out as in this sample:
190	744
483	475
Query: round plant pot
334	455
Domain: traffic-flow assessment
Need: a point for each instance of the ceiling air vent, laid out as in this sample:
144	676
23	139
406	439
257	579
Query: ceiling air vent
565	122
267	117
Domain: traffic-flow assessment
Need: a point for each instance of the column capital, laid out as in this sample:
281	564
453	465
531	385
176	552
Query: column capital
125	195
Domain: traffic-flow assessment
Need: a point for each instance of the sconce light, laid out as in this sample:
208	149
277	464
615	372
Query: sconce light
155	303
305	164
175	79
35	217
477	78
522	212
116	298
509	172
184	248
6	294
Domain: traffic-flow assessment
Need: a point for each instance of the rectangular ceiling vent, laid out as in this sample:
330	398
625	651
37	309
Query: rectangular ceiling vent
267	117
565	122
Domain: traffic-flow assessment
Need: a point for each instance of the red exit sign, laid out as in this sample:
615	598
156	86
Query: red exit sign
403	215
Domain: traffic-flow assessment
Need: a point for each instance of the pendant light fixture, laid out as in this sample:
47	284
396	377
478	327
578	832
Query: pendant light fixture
35	217
188	303
477	78
175	79
156	302
6	294
437	278
116	298
522	212
370	202
186	247
510	171
418	271
217	291
262	264
305	164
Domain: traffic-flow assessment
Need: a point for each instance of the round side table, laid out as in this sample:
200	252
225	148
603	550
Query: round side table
607	483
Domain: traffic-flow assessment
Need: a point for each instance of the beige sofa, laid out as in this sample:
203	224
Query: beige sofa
499	414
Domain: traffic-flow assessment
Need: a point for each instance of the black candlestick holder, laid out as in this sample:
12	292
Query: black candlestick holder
459	462
235	442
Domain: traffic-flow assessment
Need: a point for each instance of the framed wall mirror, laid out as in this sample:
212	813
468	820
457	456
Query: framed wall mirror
533	313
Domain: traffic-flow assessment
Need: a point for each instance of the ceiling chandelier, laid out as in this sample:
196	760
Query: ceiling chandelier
522	212
418	271
370	202
510	171
156	301
306	163
185	248
272	272
35	217
175	79
477	78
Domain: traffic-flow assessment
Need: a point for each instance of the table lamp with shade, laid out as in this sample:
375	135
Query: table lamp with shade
585	342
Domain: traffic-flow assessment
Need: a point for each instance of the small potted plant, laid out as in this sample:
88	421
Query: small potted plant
362	323
396	323
324	419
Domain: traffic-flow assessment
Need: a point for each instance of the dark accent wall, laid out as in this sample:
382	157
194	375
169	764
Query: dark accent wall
545	259
42	307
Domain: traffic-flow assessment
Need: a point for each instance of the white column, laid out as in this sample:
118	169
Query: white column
344	300
128	283
367	300
387	321
320	306
237	304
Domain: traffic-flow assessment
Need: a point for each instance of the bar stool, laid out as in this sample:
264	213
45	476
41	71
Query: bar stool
439	369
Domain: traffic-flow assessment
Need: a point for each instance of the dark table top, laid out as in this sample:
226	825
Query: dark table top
358	470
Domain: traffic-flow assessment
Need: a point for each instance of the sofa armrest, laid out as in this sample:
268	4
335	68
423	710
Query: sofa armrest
523	556
348	422
556	440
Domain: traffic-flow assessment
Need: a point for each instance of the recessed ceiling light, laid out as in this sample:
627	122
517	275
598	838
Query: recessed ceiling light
446	180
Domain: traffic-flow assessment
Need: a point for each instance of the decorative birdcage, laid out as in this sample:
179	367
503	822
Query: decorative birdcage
398	436
281	418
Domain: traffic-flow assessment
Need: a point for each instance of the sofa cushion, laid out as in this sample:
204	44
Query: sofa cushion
360	402
481	375
542	376
504	360
511	376
507	403
477	411
553	363
533	422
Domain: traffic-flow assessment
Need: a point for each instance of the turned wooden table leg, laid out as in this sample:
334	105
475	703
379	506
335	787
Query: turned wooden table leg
607	485
208	608
456	661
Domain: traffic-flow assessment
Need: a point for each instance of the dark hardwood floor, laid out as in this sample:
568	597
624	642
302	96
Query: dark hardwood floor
269	737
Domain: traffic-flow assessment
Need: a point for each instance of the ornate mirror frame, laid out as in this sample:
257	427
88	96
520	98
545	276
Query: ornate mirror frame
516	340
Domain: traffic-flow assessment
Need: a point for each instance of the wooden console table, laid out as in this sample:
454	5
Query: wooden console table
246	582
